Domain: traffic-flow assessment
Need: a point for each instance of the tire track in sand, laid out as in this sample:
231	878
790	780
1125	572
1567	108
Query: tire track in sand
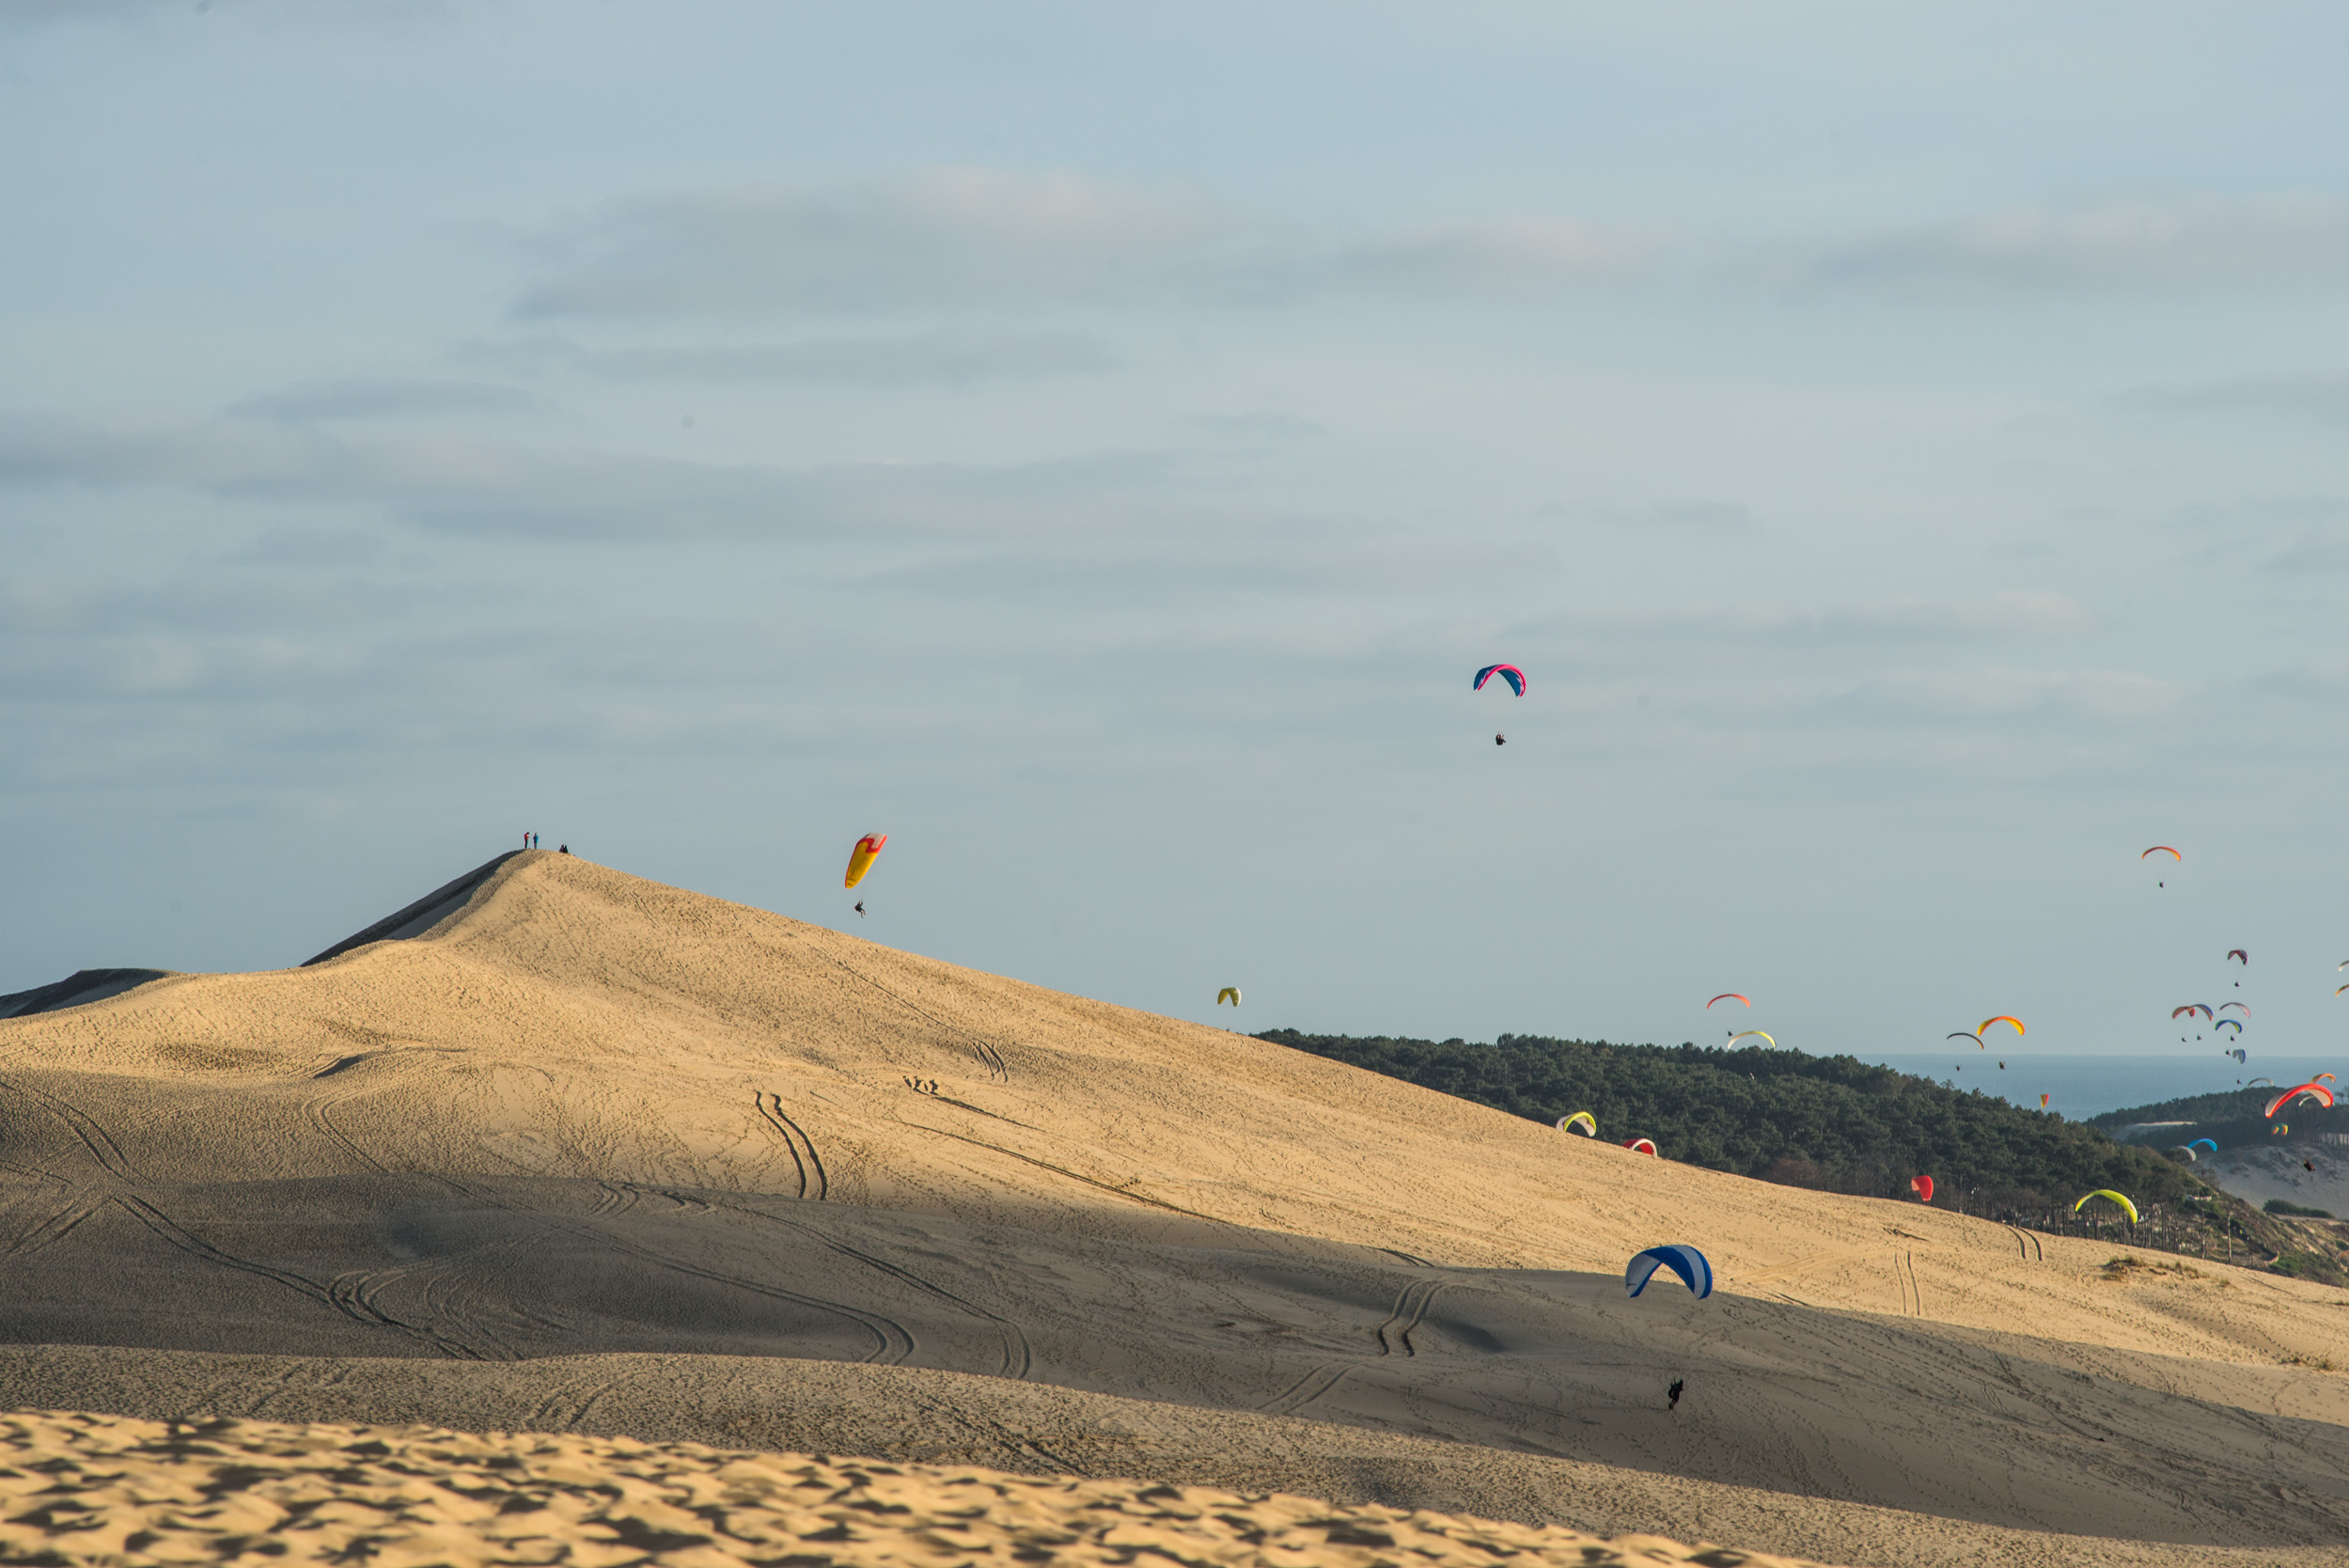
1018	1360
795	1139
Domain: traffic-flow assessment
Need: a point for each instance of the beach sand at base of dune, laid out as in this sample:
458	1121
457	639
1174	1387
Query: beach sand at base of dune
81	1488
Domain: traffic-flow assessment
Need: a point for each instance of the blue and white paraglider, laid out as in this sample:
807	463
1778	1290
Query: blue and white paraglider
1686	1262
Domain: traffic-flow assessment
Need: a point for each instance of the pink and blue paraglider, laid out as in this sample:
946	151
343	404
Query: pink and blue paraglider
1511	673
1686	1262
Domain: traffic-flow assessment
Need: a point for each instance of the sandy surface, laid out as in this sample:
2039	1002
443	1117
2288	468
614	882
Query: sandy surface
587	1116
97	1489
2257	1174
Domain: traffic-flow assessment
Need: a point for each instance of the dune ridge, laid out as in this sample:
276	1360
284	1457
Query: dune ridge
578	1114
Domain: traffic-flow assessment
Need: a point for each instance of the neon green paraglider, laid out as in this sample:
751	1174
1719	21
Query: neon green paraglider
2126	1207
1588	1121
1232	992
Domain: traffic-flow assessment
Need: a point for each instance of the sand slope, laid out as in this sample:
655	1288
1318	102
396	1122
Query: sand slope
586	1113
81	1488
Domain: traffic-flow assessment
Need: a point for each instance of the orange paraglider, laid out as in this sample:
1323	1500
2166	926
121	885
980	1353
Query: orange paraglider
2002	1018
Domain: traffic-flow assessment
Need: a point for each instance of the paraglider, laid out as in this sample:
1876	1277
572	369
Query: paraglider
1229	993
2202	1008
860	909
2315	1091
1511	673
2244	1005
2203	1143
1923	1187
2161	849
2239	954
1588	1123
1983	1028
1683	1260
1642	1146
1499	739
2043	1102
2237	1053
860	858
2320	1077
2234	1023
1728	997
2256	1082
1748	1034
1967	1034
2187	1151
2126	1207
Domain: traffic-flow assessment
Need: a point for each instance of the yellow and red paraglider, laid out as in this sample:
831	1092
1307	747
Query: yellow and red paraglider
1983	1028
860	858
1642	1146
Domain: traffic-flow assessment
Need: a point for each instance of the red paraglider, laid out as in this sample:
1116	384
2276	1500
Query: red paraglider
1642	1146
2238	953
1729	996
1923	1187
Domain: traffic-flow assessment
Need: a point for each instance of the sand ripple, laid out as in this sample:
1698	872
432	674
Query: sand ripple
103	1489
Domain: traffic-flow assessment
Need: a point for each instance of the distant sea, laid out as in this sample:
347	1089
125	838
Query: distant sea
2082	1086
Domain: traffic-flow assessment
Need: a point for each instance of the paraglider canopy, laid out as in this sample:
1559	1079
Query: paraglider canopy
860	858
2126	1207
1983	1028
2313	1090
2238	953
1682	1260
2234	1023
1642	1146
1728	997
1921	1186
1965	1034
1511	673
1232	992
1750	1034
2202	1008
2244	1005
2161	849
2203	1143
1584	1119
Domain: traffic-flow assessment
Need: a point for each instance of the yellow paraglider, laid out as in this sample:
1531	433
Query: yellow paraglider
1568	1123
2126	1207
1983	1028
860	858
1750	1034
1230	992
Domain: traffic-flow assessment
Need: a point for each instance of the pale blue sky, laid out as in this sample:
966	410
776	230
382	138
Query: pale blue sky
1904	446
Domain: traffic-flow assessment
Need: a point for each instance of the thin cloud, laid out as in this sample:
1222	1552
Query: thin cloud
2014	613
938	237
390	397
954	358
950	238
2181	242
473	486
2313	396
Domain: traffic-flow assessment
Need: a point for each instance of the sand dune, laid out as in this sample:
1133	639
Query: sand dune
577	1114
88	1488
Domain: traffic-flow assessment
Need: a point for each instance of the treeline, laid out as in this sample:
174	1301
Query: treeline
1835	1123
2230	1118
1838	1125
